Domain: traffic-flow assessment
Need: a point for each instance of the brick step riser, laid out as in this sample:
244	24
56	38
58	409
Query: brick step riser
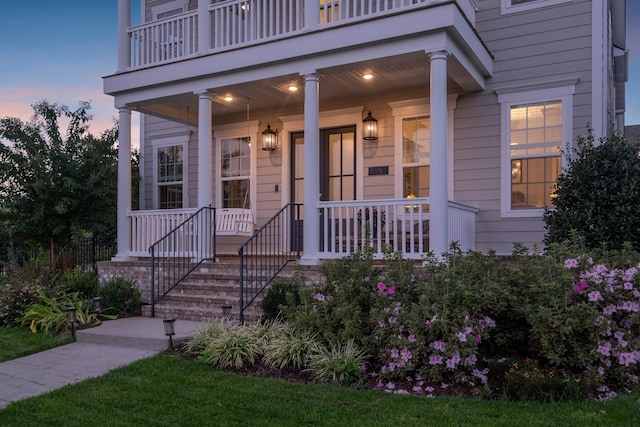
199	315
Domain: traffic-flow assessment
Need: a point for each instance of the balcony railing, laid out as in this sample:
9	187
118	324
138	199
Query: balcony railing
237	23
397	224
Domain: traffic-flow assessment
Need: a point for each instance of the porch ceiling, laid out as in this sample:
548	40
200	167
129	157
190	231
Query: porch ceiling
396	74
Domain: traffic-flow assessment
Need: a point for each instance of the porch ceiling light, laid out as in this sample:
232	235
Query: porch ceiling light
292	88
370	128
367	76
269	139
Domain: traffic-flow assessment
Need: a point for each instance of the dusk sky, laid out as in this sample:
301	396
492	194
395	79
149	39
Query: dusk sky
60	50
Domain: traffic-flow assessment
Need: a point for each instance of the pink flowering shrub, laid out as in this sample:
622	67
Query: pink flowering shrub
609	299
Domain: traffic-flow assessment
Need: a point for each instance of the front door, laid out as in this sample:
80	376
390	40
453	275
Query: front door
337	168
337	164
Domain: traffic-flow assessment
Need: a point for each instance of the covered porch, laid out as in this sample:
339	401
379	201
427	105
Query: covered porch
428	53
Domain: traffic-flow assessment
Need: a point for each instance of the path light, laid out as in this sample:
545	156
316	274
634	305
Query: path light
226	313
169	330
71	318
97	304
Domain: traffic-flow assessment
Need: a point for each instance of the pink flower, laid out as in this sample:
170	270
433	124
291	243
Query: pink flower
438	345
462	337
471	360
379	384
391	290
435	360
382	287
595	296
394	353
412	338
390	385
478	339
571	263
580	286
628	286
417	390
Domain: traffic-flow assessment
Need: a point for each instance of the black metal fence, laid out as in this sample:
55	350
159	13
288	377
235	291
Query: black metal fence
84	253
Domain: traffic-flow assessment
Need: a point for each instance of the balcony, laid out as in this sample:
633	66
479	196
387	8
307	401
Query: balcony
228	25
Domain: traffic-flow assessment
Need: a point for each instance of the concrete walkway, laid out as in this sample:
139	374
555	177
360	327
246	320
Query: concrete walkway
96	351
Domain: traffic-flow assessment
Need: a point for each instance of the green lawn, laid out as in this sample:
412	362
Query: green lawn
18	342
169	391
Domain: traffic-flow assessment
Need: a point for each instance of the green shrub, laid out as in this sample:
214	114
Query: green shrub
20	291
597	195
120	295
342	364
339	309
234	347
281	294
292	348
76	280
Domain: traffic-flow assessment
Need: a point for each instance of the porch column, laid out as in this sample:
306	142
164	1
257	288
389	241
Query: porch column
204	27
205	158
311	227
438	209
124	183
124	22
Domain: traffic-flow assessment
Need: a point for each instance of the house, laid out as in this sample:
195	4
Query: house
409	123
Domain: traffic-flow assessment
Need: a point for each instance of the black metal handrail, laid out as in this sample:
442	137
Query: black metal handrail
180	251
267	252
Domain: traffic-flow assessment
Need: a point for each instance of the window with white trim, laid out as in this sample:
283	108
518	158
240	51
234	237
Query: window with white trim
536	128
170	176
510	6
535	143
416	147
236	172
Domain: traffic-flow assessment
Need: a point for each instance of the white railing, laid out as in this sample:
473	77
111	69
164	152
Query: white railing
462	225
165	40
147	227
238	23
397	224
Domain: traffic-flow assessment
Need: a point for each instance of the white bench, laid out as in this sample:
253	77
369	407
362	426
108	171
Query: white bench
234	221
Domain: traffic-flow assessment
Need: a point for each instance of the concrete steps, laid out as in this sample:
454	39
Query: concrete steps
143	333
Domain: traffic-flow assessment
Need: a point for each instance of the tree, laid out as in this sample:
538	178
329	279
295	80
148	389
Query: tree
55	187
597	196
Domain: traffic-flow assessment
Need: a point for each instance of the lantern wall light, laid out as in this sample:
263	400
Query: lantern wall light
370	128
269	139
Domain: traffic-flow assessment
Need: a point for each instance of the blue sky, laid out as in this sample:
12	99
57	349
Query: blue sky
59	50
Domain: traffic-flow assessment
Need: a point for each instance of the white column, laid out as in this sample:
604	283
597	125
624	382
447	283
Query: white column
438	209
124	183
204	27
311	227
205	150
124	22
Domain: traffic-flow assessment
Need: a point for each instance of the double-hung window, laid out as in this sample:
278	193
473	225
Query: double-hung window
416	146
170	172
236	172
536	128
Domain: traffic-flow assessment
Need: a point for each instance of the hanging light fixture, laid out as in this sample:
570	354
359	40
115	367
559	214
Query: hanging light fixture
269	139
370	128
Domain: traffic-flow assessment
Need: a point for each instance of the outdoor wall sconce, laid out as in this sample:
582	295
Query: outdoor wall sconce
370	128
97	304
269	139
71	318
169	329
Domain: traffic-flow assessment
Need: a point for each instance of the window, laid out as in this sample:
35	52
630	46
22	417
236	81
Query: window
416	145
169	9
537	125
236	171
169	176
412	123
510	6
